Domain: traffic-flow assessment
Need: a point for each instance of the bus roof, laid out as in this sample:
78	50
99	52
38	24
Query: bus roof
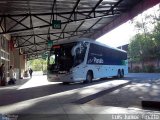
86	40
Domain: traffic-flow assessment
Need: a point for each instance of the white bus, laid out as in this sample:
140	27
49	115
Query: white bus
85	60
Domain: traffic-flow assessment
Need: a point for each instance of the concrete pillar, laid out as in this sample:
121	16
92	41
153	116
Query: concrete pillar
20	71
14	61
19	63
22	65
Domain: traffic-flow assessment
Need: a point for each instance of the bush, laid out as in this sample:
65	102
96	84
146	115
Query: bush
149	69
137	69
157	70
44	72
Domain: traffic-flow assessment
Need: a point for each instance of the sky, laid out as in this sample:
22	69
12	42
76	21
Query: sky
119	36
122	34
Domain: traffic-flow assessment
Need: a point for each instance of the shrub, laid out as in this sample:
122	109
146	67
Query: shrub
137	69
157	70
149	69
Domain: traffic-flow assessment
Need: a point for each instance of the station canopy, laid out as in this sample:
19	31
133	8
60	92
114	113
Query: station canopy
34	23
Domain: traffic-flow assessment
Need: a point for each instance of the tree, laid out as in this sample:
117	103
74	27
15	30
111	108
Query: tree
145	45
38	64
141	48
156	38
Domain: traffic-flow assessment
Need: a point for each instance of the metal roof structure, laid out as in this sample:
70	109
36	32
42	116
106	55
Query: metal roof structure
29	22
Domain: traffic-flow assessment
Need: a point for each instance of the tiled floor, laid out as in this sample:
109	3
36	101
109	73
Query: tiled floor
36	97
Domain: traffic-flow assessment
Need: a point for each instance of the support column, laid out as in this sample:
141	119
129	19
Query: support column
15	61
20	66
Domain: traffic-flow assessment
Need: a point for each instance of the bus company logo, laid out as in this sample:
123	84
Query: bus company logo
90	60
96	60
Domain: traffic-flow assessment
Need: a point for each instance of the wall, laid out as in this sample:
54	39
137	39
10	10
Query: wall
138	66
11	56
18	61
22	64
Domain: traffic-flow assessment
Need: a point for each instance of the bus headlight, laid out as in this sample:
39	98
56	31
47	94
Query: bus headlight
71	71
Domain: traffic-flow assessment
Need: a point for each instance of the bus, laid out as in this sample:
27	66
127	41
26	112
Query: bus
85	60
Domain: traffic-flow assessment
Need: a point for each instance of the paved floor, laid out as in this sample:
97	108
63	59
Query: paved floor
143	87
35	97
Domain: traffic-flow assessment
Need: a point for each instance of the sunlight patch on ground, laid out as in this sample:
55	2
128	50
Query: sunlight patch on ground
36	81
17	106
30	104
64	96
100	87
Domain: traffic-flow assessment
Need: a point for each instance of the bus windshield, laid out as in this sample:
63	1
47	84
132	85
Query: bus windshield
65	56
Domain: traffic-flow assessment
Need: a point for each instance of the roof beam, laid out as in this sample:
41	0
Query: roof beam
88	16
93	9
18	22
54	13
124	17
30	49
110	10
42	19
48	25
37	51
25	40
91	27
68	32
42	43
75	7
52	17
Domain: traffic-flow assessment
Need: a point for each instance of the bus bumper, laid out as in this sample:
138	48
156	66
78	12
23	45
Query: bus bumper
60	78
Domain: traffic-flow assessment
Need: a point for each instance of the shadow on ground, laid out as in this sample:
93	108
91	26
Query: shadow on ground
18	95
142	88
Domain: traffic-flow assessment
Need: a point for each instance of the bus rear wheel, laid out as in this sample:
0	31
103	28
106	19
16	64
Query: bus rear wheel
122	73
119	74
66	83
89	77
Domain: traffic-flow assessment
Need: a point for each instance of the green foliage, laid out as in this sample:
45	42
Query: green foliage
146	69
38	64
145	45
156	38
137	69
149	69
157	70
141	48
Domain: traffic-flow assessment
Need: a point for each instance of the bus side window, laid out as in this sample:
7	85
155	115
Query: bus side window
80	54
52	59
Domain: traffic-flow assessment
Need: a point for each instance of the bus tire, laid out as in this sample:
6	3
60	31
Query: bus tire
66	83
122	73
89	77
119	74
